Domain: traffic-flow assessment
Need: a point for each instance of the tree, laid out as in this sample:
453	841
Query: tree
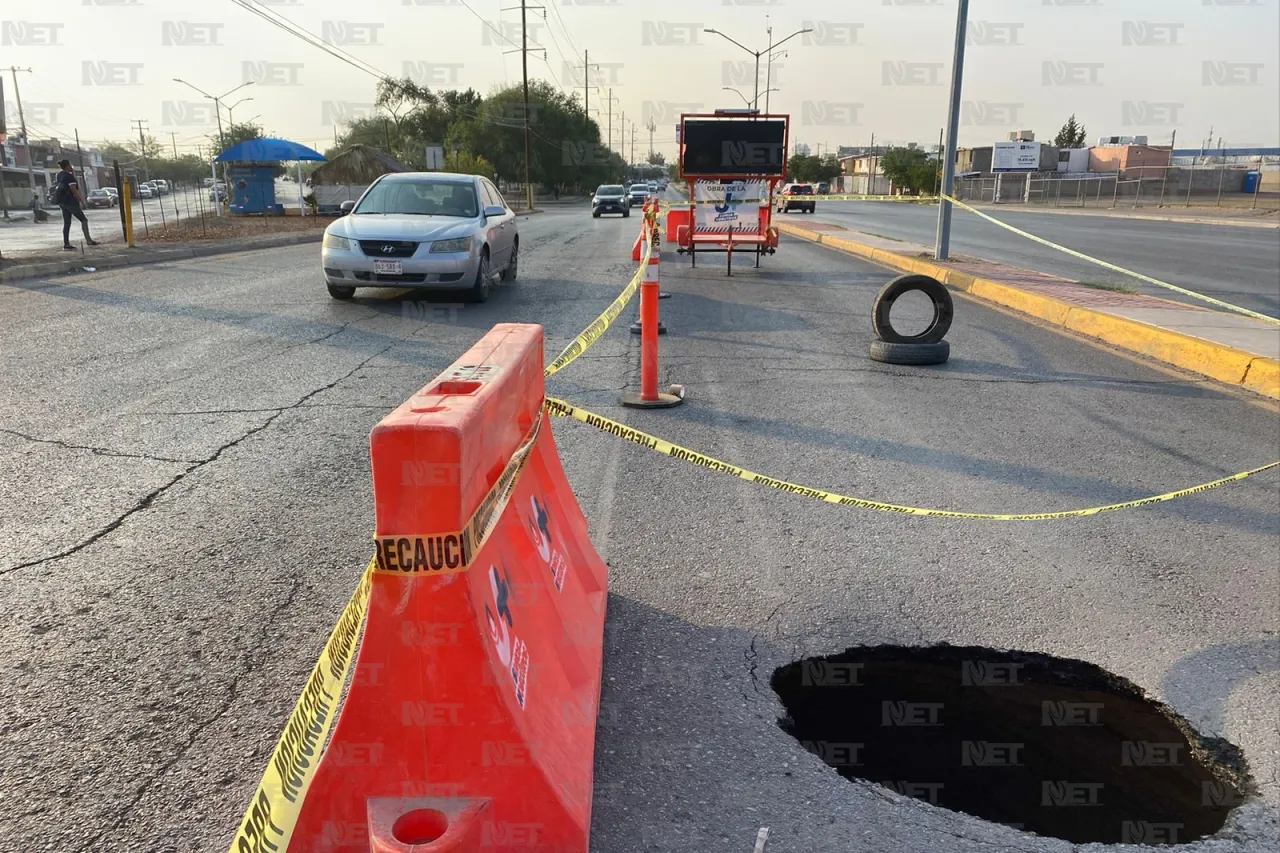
656	158
1071	135
466	163
909	169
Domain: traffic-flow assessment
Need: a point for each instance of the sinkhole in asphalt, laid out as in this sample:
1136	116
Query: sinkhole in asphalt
1052	746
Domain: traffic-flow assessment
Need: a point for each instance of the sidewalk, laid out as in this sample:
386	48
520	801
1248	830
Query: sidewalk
1228	347
1239	217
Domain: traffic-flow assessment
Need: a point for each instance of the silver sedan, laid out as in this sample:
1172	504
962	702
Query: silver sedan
423	229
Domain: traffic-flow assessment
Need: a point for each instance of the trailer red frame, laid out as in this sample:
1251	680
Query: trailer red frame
682	220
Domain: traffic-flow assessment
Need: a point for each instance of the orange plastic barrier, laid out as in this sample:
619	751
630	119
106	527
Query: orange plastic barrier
470	720
677	217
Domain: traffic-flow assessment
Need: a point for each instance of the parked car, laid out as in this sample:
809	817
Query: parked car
638	194
422	229
208	182
796	197
99	198
217	192
145	191
115	193
163	186
824	188
610	198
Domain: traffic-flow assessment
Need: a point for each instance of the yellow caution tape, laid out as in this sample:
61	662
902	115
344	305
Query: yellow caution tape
1082	256
273	811
563	409
447	553
601	324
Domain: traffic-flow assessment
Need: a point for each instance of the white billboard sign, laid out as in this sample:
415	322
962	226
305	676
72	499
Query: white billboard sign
1015	157
722	204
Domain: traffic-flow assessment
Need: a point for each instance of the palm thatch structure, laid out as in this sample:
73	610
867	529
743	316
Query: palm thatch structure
348	174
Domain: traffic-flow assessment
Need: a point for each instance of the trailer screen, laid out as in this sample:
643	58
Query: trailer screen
733	147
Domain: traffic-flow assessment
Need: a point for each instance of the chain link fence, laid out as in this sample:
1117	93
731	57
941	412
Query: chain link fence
1251	187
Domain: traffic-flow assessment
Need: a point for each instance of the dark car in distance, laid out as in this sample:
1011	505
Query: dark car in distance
796	197
610	198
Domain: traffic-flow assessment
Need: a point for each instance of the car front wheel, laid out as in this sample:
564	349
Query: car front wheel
479	291
338	291
512	270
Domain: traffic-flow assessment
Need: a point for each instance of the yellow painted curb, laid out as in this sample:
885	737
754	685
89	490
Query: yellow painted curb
1217	361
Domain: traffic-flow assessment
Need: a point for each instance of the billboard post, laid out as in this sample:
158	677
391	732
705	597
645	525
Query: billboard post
943	245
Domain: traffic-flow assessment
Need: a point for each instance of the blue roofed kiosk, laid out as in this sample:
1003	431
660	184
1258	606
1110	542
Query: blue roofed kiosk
252	166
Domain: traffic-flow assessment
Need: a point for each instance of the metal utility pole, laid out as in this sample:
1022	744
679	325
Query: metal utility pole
768	66
524	63
652	127
935	171
633	142
586	85
173	137
80	157
611	100
942	247
142	146
26	140
622	136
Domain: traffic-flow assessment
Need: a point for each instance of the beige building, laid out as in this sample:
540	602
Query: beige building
1131	161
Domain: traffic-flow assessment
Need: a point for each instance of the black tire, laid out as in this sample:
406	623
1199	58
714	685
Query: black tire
595	214
479	291
943	310
509	274
626	214
918	354
338	291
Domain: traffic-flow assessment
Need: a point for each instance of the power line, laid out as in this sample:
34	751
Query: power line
567	35
478	17
276	19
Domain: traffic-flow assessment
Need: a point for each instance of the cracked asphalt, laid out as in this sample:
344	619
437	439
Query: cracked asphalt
186	506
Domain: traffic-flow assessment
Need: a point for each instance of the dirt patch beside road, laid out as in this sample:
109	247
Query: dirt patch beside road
222	227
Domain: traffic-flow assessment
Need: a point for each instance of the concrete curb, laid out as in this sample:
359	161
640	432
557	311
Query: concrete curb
1217	361
137	256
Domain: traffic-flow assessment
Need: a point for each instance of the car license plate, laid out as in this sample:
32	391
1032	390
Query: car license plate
388	267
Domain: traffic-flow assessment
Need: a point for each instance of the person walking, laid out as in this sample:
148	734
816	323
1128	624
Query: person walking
67	196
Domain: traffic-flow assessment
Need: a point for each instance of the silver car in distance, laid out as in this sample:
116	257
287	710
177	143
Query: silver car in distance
422	229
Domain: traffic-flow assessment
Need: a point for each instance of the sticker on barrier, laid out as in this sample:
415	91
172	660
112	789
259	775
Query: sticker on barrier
667	448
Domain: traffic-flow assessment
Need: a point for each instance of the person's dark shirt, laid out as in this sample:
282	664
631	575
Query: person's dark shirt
67	180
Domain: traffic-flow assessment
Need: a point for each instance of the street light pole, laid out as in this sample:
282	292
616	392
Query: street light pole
755	104
942	247
222	143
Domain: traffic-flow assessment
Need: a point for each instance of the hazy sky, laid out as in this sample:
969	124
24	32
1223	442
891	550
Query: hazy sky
1124	67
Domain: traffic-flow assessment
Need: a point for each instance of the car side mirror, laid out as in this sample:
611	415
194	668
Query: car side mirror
494	210
346	207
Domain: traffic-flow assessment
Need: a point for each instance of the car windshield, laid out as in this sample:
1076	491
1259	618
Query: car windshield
612	189
802	189
424	197
97	193
639	188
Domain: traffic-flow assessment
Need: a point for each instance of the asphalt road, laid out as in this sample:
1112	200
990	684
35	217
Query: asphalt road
1236	264
185	490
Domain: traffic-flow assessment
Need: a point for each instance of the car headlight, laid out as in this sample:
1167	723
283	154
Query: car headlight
461	244
333	241
595	201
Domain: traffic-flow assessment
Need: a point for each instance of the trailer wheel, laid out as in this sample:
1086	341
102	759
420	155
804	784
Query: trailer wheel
943	310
